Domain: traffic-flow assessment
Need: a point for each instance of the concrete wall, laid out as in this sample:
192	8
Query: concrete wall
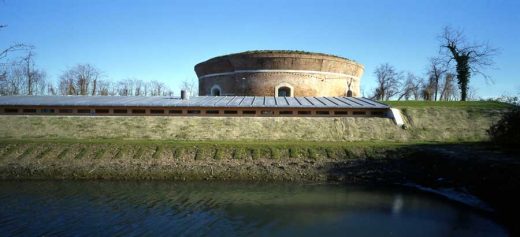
260	74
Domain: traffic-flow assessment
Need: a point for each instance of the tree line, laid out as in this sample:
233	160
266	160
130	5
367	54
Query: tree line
447	78
439	85
19	75
22	77
457	61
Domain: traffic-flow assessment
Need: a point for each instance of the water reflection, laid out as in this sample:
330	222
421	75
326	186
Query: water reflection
228	209
397	204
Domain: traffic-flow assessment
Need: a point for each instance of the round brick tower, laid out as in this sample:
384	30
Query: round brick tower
279	73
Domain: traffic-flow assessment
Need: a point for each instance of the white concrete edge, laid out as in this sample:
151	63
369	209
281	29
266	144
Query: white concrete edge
395	114
276	70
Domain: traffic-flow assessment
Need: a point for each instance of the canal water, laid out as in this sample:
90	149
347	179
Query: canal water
160	208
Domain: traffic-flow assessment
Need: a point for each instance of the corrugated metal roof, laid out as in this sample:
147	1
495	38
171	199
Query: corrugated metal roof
196	101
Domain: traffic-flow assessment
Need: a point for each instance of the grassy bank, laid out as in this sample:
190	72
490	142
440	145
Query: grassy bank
442	147
454	121
113	159
192	160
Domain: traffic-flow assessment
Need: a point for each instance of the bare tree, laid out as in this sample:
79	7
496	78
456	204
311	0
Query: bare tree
125	87
436	72
388	82
34	78
4	53
15	47
157	88
411	87
448	88
146	87
472	93
138	87
104	87
469	58
168	92
21	78
81	79
17	74
428	89
51	90
190	85
66	84
28	63
13	83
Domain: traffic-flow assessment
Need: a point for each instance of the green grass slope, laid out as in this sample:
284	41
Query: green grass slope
453	121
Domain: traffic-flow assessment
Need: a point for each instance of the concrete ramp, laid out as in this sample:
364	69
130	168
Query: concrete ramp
395	114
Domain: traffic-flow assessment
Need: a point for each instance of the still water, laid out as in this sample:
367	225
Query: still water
159	208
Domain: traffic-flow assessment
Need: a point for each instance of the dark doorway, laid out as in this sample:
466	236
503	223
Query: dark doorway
284	91
215	92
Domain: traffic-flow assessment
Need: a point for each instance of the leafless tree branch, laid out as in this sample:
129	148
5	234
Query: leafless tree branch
469	58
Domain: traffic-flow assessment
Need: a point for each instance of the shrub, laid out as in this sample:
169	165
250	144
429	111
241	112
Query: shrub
507	130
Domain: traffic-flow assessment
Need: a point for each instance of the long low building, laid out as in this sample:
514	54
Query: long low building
194	106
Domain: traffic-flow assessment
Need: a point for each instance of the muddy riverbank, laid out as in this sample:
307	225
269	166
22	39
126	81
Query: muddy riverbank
478	174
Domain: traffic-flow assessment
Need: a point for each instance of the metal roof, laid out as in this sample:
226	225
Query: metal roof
196	101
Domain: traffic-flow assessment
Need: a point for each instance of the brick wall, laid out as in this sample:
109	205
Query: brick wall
310	74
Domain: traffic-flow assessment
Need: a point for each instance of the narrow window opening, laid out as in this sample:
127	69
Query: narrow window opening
29	110
286	112
359	113
138	111
322	112
304	112
157	111
11	110
83	111
211	111
230	112
341	112
175	111
47	111
102	111
193	111
248	112
266	112
65	111
120	111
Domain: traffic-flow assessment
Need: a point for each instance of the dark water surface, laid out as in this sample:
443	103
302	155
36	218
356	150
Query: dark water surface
159	208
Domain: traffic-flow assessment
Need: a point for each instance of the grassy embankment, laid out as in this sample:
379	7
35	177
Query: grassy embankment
226	148
432	122
443	147
184	160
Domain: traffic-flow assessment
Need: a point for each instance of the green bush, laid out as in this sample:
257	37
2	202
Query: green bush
507	130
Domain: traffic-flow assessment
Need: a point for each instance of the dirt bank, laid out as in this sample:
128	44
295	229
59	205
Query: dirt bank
474	169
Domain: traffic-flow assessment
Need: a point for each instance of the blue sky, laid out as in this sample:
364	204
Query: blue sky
163	40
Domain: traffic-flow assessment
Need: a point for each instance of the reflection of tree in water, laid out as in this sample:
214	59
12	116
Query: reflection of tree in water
230	208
